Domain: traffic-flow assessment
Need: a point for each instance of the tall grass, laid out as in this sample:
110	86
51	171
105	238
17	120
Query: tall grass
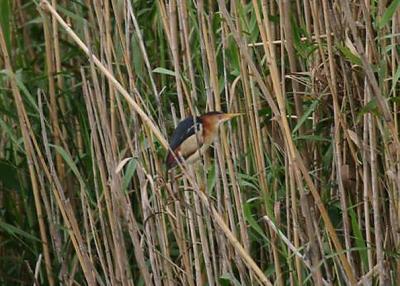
304	189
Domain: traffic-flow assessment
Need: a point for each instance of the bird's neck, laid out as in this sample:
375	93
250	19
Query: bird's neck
210	131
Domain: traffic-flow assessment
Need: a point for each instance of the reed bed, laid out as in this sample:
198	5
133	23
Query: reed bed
304	189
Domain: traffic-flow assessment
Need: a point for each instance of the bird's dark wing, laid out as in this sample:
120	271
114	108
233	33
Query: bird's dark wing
185	132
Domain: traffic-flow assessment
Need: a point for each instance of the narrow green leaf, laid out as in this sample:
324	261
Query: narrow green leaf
370	107
164	71
130	170
359	239
25	90
67	158
305	115
14	231
228	279
22	87
246	181
8	175
10	133
253	223
388	14
313	138
396	77
347	53
75	16
5	21
211	178
137	58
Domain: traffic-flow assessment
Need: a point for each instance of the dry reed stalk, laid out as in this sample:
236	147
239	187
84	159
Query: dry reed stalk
338	124
96	106
45	5
382	105
396	186
290	245
280	42
51	69
63	204
193	237
203	241
294	215
183	20
223	148
59	132
291	55
371	88
144	117
175	54
313	152
281	114
30	154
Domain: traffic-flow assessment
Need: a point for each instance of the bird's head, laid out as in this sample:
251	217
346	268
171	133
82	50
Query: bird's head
216	118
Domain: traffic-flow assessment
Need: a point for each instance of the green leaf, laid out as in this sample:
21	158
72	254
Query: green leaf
137	58
265	112
211	178
370	107
246	181
303	48
5	21
388	14
8	175
25	91
77	17
313	138
16	232
228	279
253	223
305	115
396	77
347	53
359	239
10	133
130	170
67	158
22	87
164	71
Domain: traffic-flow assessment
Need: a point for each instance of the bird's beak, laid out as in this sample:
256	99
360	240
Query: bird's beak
229	116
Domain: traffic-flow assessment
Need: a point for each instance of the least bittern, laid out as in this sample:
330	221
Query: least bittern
193	136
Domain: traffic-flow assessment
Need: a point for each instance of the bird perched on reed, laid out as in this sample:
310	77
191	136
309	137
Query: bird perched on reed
193	136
